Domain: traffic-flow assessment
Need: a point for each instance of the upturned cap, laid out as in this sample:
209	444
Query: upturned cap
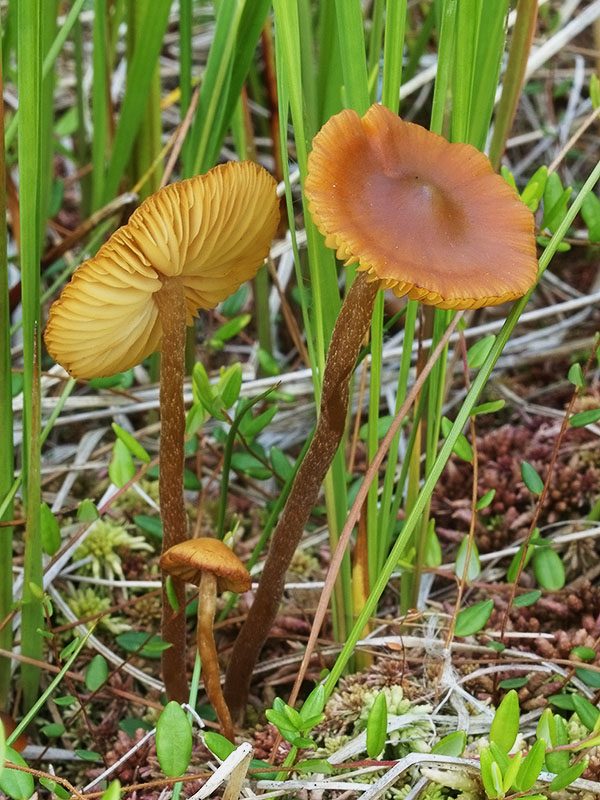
188	560
429	219
212	232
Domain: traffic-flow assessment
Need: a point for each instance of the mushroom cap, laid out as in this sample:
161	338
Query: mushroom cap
188	560
212	231
20	742
427	218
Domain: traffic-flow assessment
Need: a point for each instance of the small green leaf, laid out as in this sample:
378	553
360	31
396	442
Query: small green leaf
585	418
50	530
314	704
588	676
594	90
134	447
531	767
230	384
113	792
533	192
555	202
267	363
505	725
508	177
87	511
474	567
56	788
509	773
150	525
377	726
558	760
527	599
173	740
590	211
88	755
247	464
548	568
511	574
69	648
131	641
17	785
2	746
478	352
233	304
462	447
575	375
486	500
513	683
546	728
171	594
473	619
451	745
566	776
280	720
252	426
563	701
280	463
531	478
433	549
121	468
122	380
96	673
65	700
497	647
492	783
584	653
586	711
218	745
228	331
317	765
130	725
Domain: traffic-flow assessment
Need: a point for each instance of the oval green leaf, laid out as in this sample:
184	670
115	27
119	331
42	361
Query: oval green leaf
96	673
548	568
131	443
451	745
15	784
473	619
505	725
377	726
173	740
531	478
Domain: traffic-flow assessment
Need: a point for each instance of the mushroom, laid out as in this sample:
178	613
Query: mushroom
418	215
187	247
20	742
211	566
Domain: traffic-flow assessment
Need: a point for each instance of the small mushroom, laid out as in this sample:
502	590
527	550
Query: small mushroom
20	742
188	246
211	566
420	216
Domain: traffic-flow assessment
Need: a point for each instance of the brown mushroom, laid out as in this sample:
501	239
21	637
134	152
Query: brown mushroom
212	567
20	742
418	215
187	247
427	218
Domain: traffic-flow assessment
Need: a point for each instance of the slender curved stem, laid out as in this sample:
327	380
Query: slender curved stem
352	324
170	302
207	604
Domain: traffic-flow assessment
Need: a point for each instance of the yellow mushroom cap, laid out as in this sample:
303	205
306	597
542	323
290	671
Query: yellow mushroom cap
212	232
188	560
427	218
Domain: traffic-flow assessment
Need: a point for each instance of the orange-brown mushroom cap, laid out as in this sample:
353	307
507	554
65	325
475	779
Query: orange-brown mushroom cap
212	232
427	218
188	560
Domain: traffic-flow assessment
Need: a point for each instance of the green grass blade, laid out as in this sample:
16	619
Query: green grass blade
139	80
100	102
6	431
31	220
352	53
239	23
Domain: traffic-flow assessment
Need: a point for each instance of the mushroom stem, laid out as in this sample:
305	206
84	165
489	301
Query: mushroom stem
171	307
348	334
207	604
